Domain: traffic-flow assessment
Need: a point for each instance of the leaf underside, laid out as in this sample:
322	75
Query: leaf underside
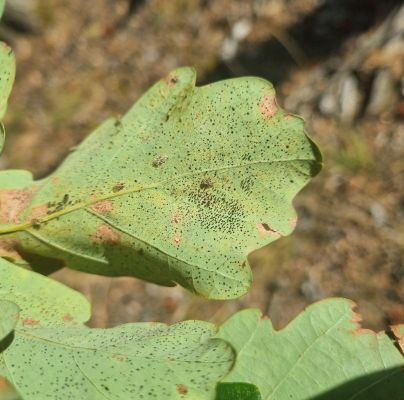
179	190
323	354
53	355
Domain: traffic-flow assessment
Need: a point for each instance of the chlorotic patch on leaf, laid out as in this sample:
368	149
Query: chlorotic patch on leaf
322	354
179	190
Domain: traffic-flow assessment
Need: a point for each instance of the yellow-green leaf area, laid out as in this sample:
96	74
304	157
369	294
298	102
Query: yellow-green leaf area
42	301
179	190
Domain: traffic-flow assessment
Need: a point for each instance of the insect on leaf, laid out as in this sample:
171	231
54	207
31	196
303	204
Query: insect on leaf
179	190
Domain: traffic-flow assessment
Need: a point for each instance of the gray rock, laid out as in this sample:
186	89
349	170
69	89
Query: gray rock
383	94
350	98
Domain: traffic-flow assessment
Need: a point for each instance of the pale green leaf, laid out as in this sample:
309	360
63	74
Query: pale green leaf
179	190
7	75
42	301
53	356
323	348
8	318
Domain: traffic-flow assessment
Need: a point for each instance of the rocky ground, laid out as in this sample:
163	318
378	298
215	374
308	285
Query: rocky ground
338	63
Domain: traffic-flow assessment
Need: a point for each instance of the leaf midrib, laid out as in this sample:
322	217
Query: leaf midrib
98	350
303	354
23	226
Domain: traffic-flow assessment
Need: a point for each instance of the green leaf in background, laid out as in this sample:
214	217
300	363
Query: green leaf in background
323	348
179	190
2	5
52	355
8	318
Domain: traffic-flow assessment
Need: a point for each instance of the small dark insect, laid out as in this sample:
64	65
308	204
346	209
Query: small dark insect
118	187
59	207
36	223
206	183
65	198
159	160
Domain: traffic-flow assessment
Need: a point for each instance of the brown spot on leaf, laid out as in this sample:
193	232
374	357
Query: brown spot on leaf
30	322
197	115
105	234
38	212
171	79
176	219
159	160
268	107
265	229
103	207
176	240
12	203
356	319
67	318
118	357
182	389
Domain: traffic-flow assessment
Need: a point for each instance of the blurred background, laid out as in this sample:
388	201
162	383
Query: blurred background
339	63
